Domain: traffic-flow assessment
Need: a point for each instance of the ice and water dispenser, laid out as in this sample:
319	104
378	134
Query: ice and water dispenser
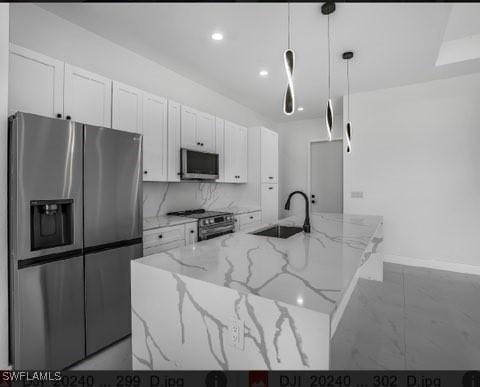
51	223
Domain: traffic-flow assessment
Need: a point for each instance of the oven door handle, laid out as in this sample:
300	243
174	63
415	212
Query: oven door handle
217	230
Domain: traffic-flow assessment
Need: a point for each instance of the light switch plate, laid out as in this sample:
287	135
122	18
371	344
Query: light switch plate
236	333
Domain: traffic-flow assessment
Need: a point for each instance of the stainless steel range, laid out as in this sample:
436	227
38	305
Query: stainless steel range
211	224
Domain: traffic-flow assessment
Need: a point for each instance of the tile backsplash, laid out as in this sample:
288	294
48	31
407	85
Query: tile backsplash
160	198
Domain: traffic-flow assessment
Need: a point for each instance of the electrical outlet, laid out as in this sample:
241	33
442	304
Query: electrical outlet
236	332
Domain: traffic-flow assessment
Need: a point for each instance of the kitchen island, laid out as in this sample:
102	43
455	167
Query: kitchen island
244	301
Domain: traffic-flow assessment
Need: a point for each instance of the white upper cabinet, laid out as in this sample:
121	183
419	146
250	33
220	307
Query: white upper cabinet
127	108
87	97
198	130
35	83
206	132
220	147
189	127
269	202
155	156
269	155
236	153
174	113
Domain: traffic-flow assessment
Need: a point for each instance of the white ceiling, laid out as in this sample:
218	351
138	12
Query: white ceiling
394	44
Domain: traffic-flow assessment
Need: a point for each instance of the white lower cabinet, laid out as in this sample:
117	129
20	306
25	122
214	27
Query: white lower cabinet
191	233
269	200
250	219
167	238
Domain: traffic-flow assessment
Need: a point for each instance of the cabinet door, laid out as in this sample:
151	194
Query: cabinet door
87	97
190	233
174	111
126	108
220	147
154	138
206	132
189	128
269	156
35	83
231	151
269	202
242	154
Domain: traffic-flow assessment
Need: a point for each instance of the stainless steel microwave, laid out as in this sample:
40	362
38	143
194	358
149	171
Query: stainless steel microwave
198	165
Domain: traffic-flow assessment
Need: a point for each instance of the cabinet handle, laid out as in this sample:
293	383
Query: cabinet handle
160	236
192	231
68	117
251	217
313	201
59	115
198	143
270	177
145	172
313	196
270	187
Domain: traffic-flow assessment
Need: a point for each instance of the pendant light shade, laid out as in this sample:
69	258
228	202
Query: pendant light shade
289	62
329	119
348	130
289	102
327	9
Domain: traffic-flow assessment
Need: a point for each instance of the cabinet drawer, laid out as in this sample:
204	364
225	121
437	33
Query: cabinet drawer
164	235
164	247
252	217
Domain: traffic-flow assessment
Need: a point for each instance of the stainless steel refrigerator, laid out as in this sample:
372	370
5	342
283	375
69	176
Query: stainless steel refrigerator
75	223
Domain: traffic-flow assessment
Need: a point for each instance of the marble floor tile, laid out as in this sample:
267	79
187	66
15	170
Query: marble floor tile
418	318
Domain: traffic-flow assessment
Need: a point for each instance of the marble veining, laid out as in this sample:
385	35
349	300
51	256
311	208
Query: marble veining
307	270
153	222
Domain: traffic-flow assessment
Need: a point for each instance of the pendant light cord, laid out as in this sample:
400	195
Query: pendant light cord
348	88
328	36
288	38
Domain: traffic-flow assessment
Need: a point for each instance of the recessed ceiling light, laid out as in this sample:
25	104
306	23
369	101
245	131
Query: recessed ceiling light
300	109
263	73
217	36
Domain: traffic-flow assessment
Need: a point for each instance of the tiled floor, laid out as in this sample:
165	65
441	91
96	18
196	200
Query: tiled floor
416	319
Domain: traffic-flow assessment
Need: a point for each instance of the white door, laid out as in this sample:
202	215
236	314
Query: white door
174	112
154	138
220	147
242	154
35	83
269	156
189	128
206	132
231	152
126	108
326	174
269	202
87	97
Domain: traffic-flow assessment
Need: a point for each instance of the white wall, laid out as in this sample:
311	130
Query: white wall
39	30
416	156
4	16
294	140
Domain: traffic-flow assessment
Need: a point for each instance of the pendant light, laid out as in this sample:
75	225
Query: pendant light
347	56
289	61
327	9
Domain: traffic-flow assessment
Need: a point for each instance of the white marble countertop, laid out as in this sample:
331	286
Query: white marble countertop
307	270
238	210
165	221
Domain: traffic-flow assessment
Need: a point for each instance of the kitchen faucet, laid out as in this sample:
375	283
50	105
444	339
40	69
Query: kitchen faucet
306	223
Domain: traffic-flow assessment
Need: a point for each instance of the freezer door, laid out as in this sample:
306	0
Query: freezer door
45	170
107	276
49	315
113	189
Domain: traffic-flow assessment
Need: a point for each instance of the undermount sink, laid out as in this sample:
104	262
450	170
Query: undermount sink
278	231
